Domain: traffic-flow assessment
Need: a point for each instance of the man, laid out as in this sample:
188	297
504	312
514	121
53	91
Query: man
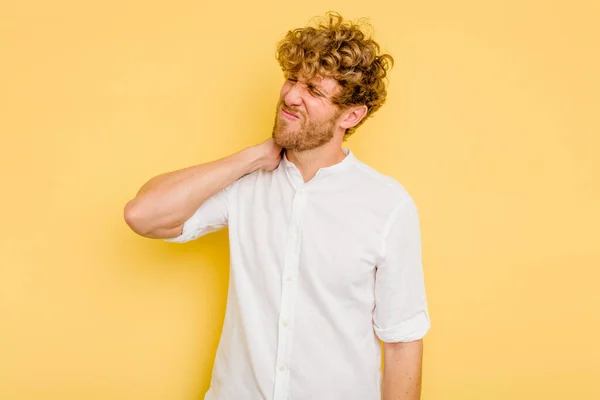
325	251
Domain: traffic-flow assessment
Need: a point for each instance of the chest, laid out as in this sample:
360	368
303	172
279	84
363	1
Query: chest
326	238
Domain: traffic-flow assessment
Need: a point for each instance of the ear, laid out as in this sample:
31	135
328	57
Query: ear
352	116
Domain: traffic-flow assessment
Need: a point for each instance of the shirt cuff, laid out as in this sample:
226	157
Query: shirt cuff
178	239
410	330
184	236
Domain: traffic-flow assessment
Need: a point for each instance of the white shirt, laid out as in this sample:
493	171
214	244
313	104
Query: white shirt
319	272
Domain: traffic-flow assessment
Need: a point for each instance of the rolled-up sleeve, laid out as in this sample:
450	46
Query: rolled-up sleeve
401	313
211	216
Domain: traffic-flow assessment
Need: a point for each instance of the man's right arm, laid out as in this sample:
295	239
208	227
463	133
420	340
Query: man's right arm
165	202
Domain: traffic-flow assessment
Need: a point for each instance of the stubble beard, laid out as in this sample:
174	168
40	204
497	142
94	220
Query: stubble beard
303	137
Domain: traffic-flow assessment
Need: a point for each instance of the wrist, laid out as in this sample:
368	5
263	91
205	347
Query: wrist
250	158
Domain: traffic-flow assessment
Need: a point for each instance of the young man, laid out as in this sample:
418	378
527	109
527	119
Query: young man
325	251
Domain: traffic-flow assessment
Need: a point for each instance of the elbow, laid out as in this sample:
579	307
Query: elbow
144	224
134	218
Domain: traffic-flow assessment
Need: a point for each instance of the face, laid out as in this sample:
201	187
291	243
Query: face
305	117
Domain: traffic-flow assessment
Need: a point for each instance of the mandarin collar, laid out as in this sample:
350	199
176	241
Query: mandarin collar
345	163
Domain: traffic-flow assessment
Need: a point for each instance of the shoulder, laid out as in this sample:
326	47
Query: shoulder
384	187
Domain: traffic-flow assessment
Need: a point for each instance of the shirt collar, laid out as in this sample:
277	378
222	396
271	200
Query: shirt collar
349	160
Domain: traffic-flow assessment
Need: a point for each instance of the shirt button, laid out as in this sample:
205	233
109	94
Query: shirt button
289	278
282	367
285	323
293	235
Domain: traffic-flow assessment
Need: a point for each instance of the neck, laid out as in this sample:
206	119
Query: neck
310	161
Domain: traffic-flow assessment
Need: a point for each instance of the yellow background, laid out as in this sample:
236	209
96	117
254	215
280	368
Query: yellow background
491	123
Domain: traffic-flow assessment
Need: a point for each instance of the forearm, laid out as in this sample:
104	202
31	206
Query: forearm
168	200
402	370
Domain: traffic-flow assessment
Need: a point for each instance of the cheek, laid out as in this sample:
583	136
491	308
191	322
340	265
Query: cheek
317	112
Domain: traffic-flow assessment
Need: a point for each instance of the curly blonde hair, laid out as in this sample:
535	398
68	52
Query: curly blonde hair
340	50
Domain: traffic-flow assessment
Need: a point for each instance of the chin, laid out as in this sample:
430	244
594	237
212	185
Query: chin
283	136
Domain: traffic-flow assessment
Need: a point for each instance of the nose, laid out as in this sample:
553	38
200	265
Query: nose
293	96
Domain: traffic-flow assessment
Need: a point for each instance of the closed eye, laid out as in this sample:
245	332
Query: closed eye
314	91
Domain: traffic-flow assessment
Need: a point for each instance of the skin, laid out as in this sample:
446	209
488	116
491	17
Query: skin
314	138
402	370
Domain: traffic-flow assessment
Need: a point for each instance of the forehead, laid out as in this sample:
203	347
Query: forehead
329	84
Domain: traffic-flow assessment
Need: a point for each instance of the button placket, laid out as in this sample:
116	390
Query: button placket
288	296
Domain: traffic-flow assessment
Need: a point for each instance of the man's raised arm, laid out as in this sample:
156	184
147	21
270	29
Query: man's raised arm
165	202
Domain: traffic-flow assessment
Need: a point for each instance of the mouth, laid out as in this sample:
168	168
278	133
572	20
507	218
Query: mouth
289	115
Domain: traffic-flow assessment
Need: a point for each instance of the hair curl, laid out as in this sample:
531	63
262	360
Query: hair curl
340	50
